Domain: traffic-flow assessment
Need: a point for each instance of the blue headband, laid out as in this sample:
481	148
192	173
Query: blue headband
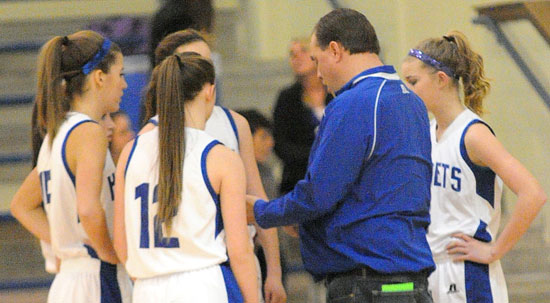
90	65
431	61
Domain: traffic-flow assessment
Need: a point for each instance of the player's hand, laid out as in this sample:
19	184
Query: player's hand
250	201
466	248
274	290
291	230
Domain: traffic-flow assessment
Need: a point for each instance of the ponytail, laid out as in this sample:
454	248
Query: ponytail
50	100
179	79
471	71
452	54
63	65
171	139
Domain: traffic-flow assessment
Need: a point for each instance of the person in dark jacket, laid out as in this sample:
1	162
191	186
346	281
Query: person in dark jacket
298	112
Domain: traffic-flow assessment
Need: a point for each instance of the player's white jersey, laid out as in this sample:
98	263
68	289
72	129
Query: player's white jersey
221	126
464	197
59	193
197	238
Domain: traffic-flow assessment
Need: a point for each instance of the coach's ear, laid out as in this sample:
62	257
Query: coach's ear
336	50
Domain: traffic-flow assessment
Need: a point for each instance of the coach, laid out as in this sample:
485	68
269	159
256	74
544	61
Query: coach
363	206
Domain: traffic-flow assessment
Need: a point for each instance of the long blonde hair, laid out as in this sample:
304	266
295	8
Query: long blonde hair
179	79
454	51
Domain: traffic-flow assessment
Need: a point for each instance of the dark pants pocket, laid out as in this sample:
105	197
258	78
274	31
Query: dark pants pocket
342	291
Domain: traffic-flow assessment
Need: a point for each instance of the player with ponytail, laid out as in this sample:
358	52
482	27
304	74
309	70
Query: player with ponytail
469	168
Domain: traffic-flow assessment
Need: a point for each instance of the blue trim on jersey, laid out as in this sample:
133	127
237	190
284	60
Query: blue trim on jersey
233	291
64	150
232	121
153	121
91	251
485	177
215	197
476	275
481	232
130	156
110	291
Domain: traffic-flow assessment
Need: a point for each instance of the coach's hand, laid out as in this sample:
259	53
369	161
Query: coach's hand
250	201
466	248
274	290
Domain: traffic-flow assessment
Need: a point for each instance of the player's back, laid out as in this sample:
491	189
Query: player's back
197	238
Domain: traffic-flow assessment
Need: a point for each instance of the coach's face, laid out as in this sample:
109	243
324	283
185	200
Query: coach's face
324	61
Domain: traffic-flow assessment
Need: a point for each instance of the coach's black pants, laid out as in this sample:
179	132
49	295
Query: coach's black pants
364	286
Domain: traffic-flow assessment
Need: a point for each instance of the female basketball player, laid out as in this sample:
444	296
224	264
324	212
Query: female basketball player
469	167
179	193
79	80
233	131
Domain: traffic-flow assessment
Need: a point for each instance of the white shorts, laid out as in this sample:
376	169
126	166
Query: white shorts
212	284
467	282
83	280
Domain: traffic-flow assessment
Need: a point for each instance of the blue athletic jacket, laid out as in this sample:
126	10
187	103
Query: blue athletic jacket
366	195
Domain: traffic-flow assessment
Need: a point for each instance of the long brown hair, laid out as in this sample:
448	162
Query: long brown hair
454	51
60	75
166	47
179	79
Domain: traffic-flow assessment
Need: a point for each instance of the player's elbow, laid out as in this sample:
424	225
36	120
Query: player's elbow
540	197
16	209
88	212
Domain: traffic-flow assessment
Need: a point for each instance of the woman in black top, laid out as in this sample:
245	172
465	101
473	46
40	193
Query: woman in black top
297	115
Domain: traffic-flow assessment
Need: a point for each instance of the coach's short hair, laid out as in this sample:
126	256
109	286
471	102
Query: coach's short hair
348	27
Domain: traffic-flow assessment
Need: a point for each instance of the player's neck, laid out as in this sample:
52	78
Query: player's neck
86	105
195	114
447	112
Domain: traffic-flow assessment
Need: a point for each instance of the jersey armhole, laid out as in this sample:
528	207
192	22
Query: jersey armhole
204	170
463	151
232	121
64	149
130	155
484	176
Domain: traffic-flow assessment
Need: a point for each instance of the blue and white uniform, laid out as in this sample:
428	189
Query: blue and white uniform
223	128
190	264
465	198
82	277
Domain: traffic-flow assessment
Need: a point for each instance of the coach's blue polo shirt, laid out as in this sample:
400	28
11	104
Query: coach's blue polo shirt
365	198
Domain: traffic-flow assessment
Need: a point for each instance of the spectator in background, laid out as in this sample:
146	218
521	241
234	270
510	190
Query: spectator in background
297	114
263	142
122	133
